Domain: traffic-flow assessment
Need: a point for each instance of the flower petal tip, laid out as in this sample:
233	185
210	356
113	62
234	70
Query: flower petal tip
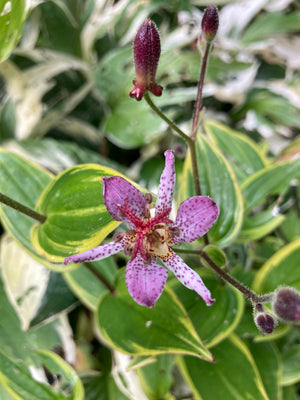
210	302
137	93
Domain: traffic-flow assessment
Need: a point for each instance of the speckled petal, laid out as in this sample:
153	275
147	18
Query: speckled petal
166	184
115	190
145	282
188	277
98	253
195	217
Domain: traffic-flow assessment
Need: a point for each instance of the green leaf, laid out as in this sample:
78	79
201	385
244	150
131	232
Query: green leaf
155	378
290	393
268	362
18	344
24	182
282	269
132	124
213	324
35	292
57	298
61	27
243	153
291	365
166	328
218	181
291	230
57	366
13	341
4	395
101	387
18	382
271	24
25	281
83	283
233	376
59	155
259	225
77	218
109	78
274	179
269	109
12	17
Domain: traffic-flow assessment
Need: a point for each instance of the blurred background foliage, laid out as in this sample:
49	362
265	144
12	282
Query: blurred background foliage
64	101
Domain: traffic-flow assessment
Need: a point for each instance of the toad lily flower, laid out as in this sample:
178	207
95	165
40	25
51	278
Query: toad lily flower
150	237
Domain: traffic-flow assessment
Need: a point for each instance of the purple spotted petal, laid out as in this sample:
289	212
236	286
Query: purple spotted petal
188	277
145	282
195	217
98	253
115	191
166	184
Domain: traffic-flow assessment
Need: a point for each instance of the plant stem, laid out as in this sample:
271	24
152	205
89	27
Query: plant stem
192	146
200	89
100	277
249	294
22	209
165	118
255	298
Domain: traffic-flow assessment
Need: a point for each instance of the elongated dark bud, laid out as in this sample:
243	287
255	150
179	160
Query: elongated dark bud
210	23
146	52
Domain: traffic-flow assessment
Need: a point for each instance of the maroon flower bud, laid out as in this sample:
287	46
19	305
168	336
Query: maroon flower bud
286	304
265	322
146	52
210	23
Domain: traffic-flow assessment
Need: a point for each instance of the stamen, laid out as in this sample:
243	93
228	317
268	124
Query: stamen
128	249
148	198
118	236
174	230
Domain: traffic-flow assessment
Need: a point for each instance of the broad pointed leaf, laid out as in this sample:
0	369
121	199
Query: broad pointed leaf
165	328
243	153
282	269
234	375
274	179
213	324
77	219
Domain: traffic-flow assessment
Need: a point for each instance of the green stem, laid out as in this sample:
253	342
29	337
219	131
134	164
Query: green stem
165	118
198	104
22	209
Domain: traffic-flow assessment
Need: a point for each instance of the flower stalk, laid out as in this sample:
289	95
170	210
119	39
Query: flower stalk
198	103
249	294
163	116
22	209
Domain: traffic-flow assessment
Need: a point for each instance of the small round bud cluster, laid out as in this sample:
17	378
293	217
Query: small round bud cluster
210	23
286	304
265	322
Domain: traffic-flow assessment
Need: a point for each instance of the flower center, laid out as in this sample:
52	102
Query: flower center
150	236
